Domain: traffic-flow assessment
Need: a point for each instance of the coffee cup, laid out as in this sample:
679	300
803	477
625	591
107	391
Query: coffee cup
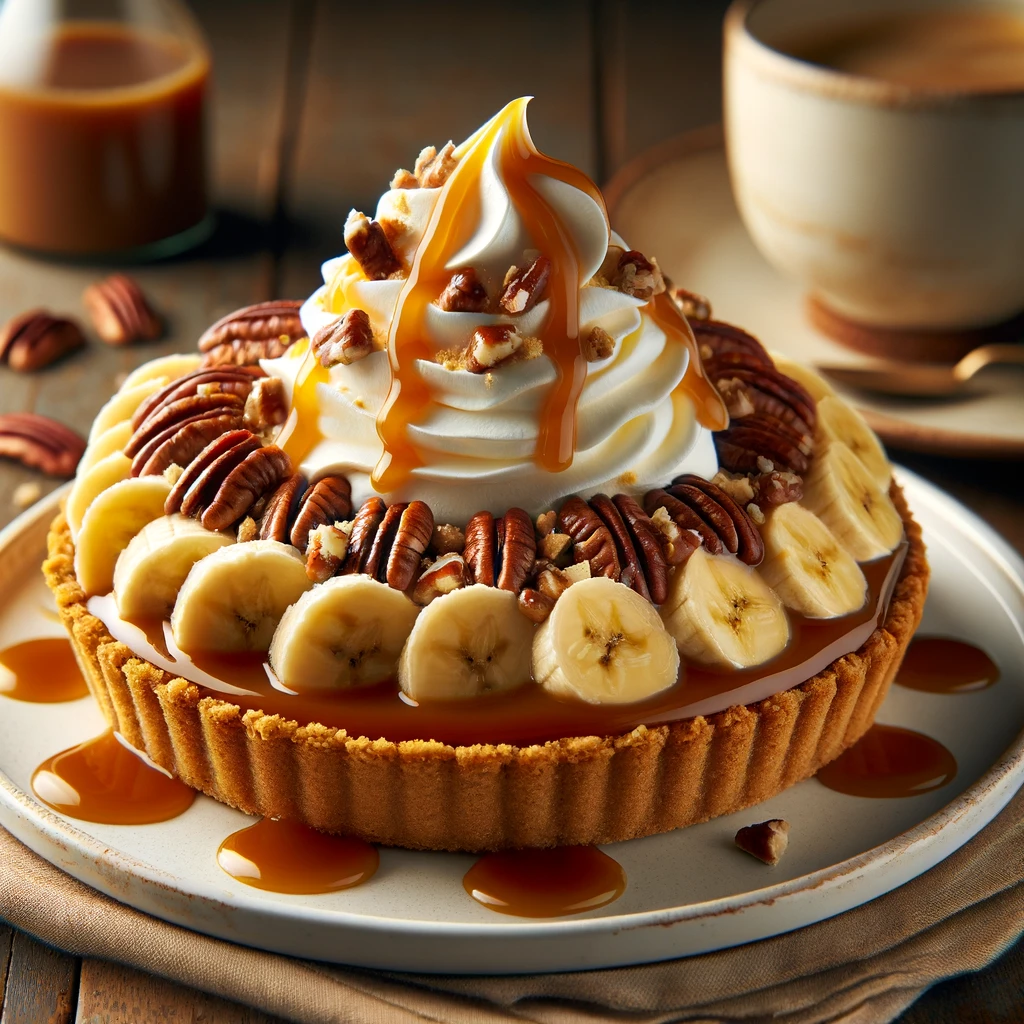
897	201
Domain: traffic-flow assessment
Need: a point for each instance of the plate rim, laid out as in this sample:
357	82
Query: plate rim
986	797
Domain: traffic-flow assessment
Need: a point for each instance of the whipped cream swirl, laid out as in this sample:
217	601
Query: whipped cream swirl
635	427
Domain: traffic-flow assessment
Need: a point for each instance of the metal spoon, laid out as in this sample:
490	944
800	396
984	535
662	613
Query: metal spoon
924	380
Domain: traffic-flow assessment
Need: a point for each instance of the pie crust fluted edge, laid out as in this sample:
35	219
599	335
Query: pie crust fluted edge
428	795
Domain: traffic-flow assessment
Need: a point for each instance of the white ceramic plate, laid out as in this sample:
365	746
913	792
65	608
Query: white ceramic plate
689	891
675	202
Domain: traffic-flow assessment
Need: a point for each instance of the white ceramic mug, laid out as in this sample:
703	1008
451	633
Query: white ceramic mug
896	207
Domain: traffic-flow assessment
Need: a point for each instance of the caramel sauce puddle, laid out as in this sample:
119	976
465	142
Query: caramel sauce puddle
42	671
938	664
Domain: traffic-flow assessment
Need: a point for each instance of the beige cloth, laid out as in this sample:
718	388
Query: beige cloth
863	966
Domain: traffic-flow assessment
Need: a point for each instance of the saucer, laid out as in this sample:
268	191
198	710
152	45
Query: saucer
675	202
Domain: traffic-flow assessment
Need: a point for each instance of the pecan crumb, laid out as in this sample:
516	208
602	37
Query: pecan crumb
767	840
755	513
546	523
26	494
556	548
247	530
739	488
448	539
598	344
173	473
765	465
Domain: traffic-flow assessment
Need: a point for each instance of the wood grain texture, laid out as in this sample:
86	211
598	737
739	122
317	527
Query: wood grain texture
112	994
41	984
6	938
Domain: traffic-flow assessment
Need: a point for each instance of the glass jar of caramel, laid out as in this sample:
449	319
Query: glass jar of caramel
102	135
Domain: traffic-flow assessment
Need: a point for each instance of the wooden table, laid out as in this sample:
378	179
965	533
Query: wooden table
316	104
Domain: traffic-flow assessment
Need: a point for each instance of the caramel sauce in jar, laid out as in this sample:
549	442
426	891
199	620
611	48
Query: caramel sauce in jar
41	671
104	150
546	883
888	761
103	780
287	857
938	664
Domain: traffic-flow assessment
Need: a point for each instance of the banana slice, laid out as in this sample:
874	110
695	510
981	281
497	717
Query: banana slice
721	612
844	495
470	641
603	643
838	421
110	522
807	567
113	439
122	404
169	367
816	385
233	599
347	632
88	486
152	568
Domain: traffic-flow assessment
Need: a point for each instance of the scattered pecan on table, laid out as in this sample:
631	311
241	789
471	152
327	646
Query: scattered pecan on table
35	339
41	443
120	312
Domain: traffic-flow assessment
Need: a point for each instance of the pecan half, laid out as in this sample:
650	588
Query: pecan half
345	340
120	312
192	482
598	344
364	532
631	572
235	380
647	543
775	395
480	551
281	509
490	346
415	529
592	540
722	345
41	443
639	276
433	168
329	500
174	414
257	474
182	442
758	436
692	305
525	286
517	547
464	293
370	248
36	339
275	321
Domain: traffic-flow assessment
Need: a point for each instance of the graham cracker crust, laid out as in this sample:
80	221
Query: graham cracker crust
423	794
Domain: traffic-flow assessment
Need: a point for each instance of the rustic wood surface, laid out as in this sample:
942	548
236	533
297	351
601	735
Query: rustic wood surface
316	104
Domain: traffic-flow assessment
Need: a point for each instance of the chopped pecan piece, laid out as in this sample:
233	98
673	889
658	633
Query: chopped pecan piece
364	532
692	305
257	474
517	547
275	321
731	525
119	311
598	344
492	345
546	522
525	286
345	340
447	539
556	548
767	840
329	500
592	540
266	405
677	544
639	276
404	179
448	573
281	509
196	478
247	530
41	443
368	243
326	551
480	551
36	339
26	494
535	604
464	293
776	488
433	168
